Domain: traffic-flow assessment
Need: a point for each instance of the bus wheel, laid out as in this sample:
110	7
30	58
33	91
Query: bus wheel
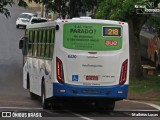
109	106
43	97
33	96
100	106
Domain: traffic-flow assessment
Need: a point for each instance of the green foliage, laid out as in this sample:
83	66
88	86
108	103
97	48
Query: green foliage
71	7
154	22
89	4
22	3
116	9
103	10
125	9
3	4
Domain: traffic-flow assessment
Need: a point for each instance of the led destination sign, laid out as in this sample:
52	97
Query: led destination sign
111	31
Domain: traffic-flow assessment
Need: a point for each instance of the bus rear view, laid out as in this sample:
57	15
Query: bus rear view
92	61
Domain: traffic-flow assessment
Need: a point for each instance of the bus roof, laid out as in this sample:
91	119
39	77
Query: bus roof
74	20
41	25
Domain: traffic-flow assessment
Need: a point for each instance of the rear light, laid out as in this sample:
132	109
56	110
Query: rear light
64	21
121	22
59	70
123	75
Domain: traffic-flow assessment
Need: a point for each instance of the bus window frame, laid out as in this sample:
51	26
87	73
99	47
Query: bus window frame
44	37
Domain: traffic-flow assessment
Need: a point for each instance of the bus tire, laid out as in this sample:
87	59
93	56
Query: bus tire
43	96
109	106
33	96
100	106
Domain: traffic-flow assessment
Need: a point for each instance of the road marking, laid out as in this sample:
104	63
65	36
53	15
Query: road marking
134	110
82	117
150	104
79	115
20	108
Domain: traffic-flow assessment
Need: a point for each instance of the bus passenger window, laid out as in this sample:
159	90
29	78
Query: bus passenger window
30	44
30	36
38	43
47	45
52	43
43	44
29	49
34	44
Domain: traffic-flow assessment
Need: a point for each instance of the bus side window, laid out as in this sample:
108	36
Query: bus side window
34	52
33	39
30	43
43	44
40	43
25	44
52	36
47	51
38	51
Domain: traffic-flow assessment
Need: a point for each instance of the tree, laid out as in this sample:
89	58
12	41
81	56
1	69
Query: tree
3	4
154	24
124	10
72	8
58	6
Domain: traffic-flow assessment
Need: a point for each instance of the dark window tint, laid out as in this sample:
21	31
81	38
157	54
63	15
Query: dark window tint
52	36
38	21
35	44
27	16
41	43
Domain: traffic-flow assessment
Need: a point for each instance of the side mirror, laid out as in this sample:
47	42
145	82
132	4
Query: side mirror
21	44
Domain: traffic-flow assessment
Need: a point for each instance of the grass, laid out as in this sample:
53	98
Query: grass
144	84
147	88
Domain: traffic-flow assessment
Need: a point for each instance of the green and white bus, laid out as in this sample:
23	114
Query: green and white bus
77	59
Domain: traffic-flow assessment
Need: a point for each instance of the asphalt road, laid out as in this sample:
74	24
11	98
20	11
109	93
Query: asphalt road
14	99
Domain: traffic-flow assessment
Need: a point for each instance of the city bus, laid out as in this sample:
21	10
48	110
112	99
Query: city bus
77	59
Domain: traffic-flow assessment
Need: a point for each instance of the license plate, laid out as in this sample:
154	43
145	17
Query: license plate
92	77
91	91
